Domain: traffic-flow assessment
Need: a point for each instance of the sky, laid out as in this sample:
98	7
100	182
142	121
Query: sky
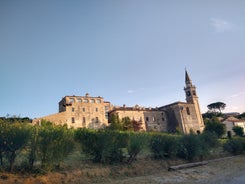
127	51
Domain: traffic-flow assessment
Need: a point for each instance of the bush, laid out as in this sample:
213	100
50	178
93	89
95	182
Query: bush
163	146
137	142
235	146
54	144
190	147
103	146
13	138
209	139
238	131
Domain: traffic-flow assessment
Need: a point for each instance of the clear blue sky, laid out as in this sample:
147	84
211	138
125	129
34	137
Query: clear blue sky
127	51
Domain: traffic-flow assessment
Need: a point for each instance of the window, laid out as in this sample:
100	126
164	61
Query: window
85	100
153	118
163	119
98	101
73	120
146	119
188	110
92	101
97	120
83	109
84	122
106	115
72	109
79	100
96	109
194	92
71	100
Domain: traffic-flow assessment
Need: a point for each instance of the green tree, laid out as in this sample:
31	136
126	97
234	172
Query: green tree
214	126
127	124
115	123
33	146
54	144
13	138
238	130
137	142
217	106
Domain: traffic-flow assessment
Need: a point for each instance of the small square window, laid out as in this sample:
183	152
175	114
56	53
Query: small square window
188	111
71	100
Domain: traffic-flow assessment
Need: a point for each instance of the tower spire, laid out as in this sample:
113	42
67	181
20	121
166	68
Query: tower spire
187	78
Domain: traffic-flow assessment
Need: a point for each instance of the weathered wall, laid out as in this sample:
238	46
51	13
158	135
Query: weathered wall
81	111
152	120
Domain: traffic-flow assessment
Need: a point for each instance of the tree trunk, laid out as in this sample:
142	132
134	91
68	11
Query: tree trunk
11	161
188	165
1	158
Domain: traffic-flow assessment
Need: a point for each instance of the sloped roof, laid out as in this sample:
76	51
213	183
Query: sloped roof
232	119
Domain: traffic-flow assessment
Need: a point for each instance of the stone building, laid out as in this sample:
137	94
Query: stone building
151	119
178	116
231	122
81	111
93	112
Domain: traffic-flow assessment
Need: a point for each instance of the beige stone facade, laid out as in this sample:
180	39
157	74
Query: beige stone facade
81	111
151	119
93	112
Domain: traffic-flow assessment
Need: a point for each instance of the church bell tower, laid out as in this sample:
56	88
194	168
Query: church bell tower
190	90
192	98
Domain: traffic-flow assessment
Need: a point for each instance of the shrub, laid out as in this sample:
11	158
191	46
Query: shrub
238	131
13	137
235	146
215	126
163	145
190	147
209	139
137	142
103	146
54	144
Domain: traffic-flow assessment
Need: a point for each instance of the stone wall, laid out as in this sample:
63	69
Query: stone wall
81	111
152	120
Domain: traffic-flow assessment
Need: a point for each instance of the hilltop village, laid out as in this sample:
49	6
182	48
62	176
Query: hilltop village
94	112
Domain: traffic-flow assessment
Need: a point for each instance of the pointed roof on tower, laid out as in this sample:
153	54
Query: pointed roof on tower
187	78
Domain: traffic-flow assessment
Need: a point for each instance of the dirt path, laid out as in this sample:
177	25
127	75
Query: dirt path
222	171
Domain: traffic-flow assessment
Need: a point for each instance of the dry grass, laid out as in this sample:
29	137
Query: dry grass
144	170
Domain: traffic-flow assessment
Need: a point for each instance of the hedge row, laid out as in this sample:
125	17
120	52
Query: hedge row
47	143
47	146
110	146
